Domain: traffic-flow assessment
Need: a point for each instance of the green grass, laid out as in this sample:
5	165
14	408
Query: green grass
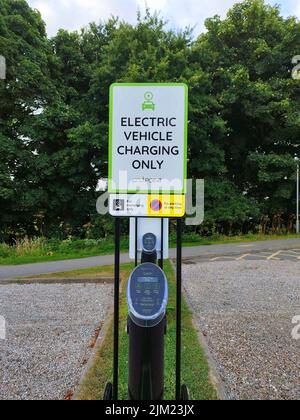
195	240
195	369
42	250
101	271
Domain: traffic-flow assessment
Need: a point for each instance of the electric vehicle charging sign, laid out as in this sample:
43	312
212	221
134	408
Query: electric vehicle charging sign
148	149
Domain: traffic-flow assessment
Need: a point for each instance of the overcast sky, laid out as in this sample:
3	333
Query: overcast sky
74	14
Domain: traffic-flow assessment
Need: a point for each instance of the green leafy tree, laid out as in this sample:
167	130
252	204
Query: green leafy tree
248	56
24	44
244	124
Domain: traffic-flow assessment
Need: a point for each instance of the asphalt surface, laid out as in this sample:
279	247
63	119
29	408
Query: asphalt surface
292	255
205	253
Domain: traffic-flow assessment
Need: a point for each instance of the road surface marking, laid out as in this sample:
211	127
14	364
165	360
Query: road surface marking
242	257
274	255
258	256
223	256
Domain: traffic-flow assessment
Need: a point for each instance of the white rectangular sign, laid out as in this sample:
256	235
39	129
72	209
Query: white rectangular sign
148	138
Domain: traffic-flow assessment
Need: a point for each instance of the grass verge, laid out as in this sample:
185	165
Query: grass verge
195	368
36	250
39	250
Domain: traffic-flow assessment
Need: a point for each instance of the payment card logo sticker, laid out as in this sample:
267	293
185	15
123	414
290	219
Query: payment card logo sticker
128	205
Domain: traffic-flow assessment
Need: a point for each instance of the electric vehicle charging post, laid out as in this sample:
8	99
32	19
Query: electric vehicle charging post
147	297
147	291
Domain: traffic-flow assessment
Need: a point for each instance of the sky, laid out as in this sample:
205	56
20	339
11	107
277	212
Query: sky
75	14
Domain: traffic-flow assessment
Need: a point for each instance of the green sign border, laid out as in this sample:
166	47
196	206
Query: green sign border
111	106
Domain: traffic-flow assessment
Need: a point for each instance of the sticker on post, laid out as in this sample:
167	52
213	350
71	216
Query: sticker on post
143	205
166	206
126	205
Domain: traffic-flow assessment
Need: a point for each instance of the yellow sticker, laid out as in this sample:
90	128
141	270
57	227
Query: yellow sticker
166	206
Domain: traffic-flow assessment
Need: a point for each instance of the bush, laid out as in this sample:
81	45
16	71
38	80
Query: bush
31	247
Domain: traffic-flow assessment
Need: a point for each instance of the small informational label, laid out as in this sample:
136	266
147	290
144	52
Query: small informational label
166	205
128	205
144	205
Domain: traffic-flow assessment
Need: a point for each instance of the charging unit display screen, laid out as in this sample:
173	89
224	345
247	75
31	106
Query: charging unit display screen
147	294
147	299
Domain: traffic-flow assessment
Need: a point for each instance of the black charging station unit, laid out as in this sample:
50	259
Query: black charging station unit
147	295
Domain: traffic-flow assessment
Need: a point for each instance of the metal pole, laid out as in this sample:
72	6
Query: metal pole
297	221
116	309
178	309
136	241
161	262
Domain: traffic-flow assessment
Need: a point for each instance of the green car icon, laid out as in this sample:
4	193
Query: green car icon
148	104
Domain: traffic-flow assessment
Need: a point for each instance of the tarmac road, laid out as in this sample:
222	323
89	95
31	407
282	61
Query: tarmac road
200	253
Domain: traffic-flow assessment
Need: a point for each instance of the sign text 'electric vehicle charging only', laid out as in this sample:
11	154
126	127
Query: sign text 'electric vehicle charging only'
148	149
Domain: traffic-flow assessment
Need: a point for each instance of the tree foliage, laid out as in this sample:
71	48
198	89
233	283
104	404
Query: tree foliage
244	114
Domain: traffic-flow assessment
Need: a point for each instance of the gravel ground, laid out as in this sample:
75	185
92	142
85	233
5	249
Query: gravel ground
245	310
50	329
